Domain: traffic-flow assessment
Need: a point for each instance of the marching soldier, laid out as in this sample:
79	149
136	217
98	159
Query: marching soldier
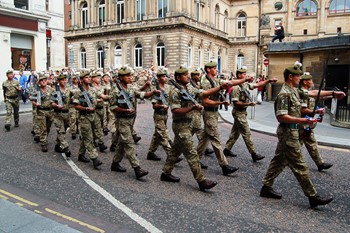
288	152
308	136
61	103
85	100
123	102
241	101
11	89
73	113
107	84
44	116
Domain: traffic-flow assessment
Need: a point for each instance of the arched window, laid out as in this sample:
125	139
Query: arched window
84	15
83	58
217	16
198	10
189	55
306	8
138	56
339	6
240	61
161	54
241	25
162	8
118	62
199	56
120	11
225	21
140	9
99	57
101	12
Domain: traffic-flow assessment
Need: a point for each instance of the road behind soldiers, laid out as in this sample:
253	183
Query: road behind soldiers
233	205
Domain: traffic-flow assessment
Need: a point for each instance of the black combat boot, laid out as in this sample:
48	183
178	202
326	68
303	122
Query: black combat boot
36	138
136	138
112	148
32	132
44	148
206	184
169	178
74	136
96	163
67	152
226	170
203	165
105	131
140	172
324	166
229	153
16	124
178	160
102	147
268	192
257	157
115	167
83	158
7	127
317	200
58	148
208	151
153	156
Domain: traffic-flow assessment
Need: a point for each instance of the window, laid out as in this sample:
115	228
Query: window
198	10
83	58
306	8
161	54
140	9
47	5
100	57
217	17
21	4
225	21
118	57
208	55
199	56
101	13
240	61
162	8
241	25
138	56
84	16
339	6
120	11
189	58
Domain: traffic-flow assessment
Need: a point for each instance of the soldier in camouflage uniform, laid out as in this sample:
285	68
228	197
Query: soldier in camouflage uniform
86	119
73	113
307	136
210	117
107	84
101	97
61	113
11	90
288	151
160	117
240	98
181	108
123	106
44	116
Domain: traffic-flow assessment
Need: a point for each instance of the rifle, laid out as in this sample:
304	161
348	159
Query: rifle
246	93
38	95
59	96
212	84
184	93
163	95
85	94
123	93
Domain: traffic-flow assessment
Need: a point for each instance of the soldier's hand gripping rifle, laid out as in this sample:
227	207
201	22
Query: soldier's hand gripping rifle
162	95
86	95
38	95
58	94
184	93
212	84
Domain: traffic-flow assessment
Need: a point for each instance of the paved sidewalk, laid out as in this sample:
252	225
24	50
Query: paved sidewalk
264	121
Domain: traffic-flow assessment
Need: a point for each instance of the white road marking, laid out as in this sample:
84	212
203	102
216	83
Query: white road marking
141	221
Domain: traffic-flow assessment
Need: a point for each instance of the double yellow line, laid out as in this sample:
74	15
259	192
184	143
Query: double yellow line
6	195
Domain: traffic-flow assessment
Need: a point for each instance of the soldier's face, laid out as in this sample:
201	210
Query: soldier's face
96	79
213	71
242	75
295	79
185	78
62	82
87	80
195	77
10	76
162	79
127	79
43	82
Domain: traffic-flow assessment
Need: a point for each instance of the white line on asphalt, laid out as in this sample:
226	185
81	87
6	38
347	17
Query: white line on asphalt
141	221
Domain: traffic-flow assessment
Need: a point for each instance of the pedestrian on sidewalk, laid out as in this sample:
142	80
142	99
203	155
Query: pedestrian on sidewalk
11	89
23	81
241	101
288	151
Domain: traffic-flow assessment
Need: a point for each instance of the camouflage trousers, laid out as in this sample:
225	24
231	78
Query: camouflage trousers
125	142
73	122
44	119
12	108
311	145
211	134
198	130
240	127
160	135
106	116
61	122
98	133
288	153
34	123
86	127
183	143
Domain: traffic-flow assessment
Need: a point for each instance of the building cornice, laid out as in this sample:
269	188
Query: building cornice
15	12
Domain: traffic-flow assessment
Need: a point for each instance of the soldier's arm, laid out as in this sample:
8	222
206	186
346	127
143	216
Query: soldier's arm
335	94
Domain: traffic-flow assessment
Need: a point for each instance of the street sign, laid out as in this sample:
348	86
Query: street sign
266	62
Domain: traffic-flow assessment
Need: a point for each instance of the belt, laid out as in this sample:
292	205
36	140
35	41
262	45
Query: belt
99	107
240	109
62	110
289	126
161	112
12	97
125	116
182	120
43	108
84	112
211	109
